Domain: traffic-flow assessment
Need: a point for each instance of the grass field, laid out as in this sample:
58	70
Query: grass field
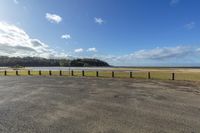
162	74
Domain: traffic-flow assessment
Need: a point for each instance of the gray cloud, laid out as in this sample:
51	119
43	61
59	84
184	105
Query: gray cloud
156	56
162	53
16	42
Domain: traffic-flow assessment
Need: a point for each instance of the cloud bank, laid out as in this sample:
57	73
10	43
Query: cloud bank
165	56
14	41
161	53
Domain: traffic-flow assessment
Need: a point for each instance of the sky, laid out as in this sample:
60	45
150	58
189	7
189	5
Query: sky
121	32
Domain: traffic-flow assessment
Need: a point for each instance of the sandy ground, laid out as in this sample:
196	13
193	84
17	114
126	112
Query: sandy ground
89	105
184	70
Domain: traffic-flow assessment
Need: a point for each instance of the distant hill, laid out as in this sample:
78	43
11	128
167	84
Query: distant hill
36	61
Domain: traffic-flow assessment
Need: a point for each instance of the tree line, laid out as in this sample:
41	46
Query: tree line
37	61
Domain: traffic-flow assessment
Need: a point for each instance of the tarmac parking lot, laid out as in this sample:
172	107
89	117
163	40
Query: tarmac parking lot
97	105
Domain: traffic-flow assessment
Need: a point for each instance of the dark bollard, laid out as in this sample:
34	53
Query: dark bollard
131	74
72	73
60	73
40	73
17	73
149	75
113	74
83	73
5	73
173	76
97	74
29	72
50	73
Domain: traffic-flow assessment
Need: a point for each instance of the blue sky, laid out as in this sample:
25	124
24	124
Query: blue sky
121	32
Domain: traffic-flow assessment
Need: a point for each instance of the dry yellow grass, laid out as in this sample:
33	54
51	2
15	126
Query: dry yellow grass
155	74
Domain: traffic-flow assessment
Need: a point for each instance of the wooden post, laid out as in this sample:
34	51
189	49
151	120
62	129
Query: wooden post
60	73
113	74
17	73
5	73
131	74
97	74
72	73
40	73
173	76
29	72
83	73
149	75
50	73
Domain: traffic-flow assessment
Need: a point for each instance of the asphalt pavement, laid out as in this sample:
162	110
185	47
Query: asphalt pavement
98	105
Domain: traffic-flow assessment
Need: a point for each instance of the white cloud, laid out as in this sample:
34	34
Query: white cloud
158	56
53	18
98	20
92	50
16	1
190	25
79	50
66	36
198	49
161	53
14	41
174	2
